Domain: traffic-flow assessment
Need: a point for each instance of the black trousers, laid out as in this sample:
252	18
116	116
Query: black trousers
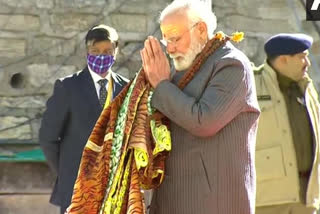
63	209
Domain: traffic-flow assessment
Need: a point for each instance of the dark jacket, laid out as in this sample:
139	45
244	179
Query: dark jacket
70	116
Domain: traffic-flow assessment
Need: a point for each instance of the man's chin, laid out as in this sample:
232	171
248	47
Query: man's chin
180	66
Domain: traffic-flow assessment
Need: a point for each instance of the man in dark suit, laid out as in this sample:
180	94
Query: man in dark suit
74	108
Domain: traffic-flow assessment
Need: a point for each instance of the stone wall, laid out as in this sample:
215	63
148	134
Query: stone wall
42	40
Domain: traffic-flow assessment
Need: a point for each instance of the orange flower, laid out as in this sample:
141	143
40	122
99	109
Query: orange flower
219	35
237	36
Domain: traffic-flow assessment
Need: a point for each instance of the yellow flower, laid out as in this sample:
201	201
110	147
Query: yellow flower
237	36
219	35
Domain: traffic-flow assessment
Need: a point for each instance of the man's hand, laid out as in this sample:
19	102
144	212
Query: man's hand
154	62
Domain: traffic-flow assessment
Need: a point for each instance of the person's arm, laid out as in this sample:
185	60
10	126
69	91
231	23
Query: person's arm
53	122
222	100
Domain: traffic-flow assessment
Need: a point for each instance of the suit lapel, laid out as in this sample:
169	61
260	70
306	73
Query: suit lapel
89	91
117	87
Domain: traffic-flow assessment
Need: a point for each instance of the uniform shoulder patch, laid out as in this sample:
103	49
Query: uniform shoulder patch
257	70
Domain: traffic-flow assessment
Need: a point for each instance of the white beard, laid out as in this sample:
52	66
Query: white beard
186	60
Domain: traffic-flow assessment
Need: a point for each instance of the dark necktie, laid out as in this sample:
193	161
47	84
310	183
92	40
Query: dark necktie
103	91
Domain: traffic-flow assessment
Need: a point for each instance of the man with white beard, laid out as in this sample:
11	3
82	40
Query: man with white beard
184	61
212	105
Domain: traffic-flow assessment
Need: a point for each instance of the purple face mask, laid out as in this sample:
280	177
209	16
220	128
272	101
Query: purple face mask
100	64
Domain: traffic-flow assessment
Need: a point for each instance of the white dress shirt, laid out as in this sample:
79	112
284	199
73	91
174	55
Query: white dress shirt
96	77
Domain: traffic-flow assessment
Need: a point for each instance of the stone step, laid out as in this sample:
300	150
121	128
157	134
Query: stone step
27	204
25	178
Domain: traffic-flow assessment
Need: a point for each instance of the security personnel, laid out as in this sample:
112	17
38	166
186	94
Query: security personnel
287	150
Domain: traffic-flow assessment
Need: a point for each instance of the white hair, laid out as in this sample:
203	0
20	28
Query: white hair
196	11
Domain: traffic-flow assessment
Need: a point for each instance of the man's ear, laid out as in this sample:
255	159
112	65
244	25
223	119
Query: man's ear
203	31
284	59
116	50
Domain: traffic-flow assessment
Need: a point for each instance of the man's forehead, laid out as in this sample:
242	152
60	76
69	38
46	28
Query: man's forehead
172	30
303	53
174	24
101	44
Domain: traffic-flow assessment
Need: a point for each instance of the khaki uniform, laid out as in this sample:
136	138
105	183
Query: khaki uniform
278	181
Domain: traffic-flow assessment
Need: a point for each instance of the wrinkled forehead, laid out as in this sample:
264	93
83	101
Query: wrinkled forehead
172	30
173	25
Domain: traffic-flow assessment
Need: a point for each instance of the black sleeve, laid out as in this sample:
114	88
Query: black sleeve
52	125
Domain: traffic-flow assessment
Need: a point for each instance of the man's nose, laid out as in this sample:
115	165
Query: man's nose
308	61
170	48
